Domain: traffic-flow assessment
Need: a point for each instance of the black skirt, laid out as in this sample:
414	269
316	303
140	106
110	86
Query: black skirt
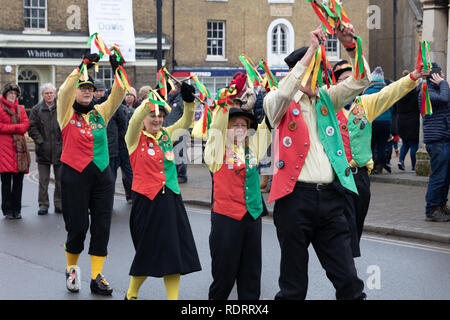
162	236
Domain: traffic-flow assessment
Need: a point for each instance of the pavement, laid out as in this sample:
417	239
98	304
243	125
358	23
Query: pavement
396	207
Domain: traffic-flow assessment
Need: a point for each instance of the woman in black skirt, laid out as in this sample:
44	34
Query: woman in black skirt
160	228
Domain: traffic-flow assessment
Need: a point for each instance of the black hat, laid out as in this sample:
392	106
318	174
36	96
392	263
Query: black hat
11	87
292	59
235	112
340	67
88	82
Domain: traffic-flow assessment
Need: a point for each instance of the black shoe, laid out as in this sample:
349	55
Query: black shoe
388	168
9	216
17	215
101	286
438	215
445	209
401	166
58	210
42	212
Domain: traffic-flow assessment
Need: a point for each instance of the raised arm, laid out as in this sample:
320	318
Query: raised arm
136	124
215	145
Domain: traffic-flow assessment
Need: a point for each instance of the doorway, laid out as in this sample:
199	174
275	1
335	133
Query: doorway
28	81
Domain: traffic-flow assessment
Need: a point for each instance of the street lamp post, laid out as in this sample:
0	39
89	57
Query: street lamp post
159	33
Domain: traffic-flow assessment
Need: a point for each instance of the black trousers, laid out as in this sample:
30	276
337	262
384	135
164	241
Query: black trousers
12	184
357	206
308	216
235	248
89	194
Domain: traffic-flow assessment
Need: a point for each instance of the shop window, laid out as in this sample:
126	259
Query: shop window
35	14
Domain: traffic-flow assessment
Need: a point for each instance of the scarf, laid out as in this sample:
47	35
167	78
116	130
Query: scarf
83	109
20	144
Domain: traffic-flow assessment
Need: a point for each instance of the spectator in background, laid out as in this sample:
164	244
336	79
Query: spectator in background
381	126
131	102
46	133
143	93
14	155
436	136
408	126
393	137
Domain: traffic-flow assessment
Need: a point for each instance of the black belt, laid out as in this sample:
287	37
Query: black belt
355	170
314	186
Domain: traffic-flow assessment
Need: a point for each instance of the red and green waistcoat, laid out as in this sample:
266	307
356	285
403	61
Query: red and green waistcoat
292	143
236	186
153	166
84	142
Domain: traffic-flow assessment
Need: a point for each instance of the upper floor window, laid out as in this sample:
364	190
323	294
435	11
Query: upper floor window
279	39
215	46
280	42
35	14
333	48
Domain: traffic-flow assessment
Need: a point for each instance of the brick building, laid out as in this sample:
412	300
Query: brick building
43	40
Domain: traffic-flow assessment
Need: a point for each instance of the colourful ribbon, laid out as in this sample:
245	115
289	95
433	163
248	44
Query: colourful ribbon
424	61
253	76
270	81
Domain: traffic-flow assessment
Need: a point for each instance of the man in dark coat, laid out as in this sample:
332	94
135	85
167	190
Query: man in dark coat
46	133
408	126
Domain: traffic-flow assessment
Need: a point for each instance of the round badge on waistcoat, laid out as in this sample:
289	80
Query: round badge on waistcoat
78	124
295	112
356	121
292	126
151	152
94	126
339	153
252	162
169	155
164	138
82	131
330	131
280	164
363	125
72	121
355	111
344	127
150	145
287	142
324	110
100	126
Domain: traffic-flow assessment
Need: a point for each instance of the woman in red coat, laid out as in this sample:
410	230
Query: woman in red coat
14	156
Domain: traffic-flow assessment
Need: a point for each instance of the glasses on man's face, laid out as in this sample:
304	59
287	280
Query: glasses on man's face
48	93
86	89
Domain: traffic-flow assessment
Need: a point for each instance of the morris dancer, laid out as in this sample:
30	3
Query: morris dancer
311	173
86	180
159	224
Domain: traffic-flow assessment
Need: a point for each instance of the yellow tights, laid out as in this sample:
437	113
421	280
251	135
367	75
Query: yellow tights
172	283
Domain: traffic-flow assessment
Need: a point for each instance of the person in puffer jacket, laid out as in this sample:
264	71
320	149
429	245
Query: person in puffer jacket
436	136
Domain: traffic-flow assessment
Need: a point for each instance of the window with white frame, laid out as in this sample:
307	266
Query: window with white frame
279	39
35	14
106	75
280	42
333	48
215	46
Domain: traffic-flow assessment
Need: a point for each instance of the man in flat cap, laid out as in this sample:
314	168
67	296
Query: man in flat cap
311	173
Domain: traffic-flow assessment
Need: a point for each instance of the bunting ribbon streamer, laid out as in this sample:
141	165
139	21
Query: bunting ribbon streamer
318	65
103	50
207	118
359	63
204	92
253	76
331	14
162	82
121	78
424	61
270	82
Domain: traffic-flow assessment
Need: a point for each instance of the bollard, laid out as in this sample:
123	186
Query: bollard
423	166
